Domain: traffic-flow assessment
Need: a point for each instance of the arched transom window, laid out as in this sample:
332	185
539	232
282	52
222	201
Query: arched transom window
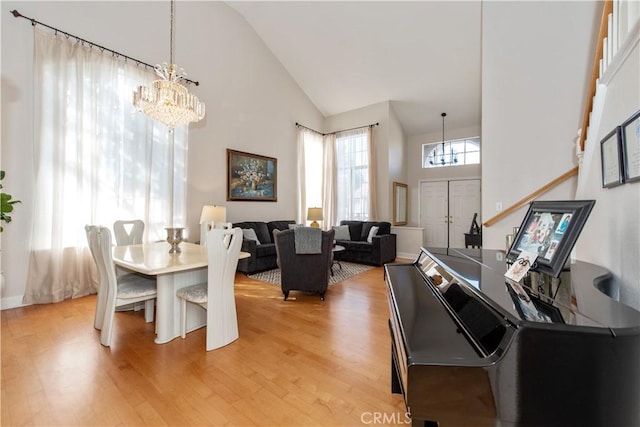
455	152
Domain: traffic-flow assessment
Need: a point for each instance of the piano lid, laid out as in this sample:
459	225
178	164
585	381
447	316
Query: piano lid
574	301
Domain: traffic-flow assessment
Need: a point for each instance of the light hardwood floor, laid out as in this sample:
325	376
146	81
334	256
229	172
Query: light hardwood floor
302	362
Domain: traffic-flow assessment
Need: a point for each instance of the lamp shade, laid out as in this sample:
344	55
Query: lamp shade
314	214
213	213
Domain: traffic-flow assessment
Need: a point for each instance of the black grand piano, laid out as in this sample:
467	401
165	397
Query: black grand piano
470	348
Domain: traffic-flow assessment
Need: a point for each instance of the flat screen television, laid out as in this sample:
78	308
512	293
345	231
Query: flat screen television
550	229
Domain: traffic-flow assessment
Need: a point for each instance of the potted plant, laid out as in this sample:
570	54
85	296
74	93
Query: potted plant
7	203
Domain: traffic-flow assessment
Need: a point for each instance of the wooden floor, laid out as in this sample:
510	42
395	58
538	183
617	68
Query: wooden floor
302	362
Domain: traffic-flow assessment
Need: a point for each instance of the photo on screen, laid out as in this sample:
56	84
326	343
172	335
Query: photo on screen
550	229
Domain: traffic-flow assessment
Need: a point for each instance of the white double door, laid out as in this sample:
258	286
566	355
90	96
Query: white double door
446	211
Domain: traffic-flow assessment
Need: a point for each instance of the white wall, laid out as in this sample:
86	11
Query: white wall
611	236
252	103
536	61
254	107
397	158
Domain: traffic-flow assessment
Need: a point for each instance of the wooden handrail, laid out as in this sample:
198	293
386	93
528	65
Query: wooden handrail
520	203
595	70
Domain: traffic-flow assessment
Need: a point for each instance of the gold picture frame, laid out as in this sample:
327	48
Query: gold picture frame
400	203
251	177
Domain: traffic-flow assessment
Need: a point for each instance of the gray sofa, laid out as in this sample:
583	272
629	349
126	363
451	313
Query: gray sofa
263	256
381	250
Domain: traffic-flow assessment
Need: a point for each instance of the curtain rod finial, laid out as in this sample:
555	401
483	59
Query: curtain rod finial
16	14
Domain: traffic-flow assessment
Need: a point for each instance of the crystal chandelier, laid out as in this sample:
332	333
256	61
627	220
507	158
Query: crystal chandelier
167	100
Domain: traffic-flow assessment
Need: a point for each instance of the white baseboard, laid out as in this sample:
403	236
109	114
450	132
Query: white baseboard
407	255
11	302
15	302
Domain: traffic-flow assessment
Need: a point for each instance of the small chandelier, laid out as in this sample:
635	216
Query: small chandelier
442	158
433	161
167	100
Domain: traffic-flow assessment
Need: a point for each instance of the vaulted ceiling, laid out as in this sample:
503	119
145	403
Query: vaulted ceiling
423	56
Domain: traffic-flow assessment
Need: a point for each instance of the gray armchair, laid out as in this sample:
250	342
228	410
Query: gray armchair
303	272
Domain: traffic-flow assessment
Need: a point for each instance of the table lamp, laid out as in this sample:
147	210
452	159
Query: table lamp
208	219
315	215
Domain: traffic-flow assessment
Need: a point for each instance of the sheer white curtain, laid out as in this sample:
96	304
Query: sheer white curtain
373	184
310	172
96	160
301	208
329	190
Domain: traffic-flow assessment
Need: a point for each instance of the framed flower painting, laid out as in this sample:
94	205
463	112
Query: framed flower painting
251	177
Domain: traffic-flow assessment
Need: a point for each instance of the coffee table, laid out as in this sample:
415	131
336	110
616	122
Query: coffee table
336	249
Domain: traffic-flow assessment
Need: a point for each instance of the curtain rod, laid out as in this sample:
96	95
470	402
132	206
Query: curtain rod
338	131
91	44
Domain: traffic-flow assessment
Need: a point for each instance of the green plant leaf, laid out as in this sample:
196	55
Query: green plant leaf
6	204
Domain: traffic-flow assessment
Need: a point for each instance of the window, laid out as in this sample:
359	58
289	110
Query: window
451	153
97	160
352	164
335	173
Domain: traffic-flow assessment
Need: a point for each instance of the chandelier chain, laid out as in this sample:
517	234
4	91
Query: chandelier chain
443	116
171	33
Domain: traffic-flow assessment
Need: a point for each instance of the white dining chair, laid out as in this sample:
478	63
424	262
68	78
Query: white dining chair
114	292
210	225
128	232
217	295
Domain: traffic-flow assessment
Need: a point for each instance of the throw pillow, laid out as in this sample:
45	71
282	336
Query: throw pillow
292	226
342	232
372	232
250	234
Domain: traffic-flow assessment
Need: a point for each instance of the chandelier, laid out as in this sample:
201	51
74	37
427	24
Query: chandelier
445	158
167	100
442	158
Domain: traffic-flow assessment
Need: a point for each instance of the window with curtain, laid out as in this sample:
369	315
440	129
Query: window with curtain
336	172
96	160
352	175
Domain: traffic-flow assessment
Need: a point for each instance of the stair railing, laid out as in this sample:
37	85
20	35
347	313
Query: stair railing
607	9
524	201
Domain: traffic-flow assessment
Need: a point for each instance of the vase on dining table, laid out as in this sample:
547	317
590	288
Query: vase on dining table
174	238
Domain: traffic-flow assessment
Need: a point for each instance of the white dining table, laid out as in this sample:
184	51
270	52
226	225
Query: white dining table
172	271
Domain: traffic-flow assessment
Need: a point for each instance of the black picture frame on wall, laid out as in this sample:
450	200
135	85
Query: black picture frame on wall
550	229
630	133
611	159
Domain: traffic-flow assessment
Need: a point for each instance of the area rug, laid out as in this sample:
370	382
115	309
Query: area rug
348	270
